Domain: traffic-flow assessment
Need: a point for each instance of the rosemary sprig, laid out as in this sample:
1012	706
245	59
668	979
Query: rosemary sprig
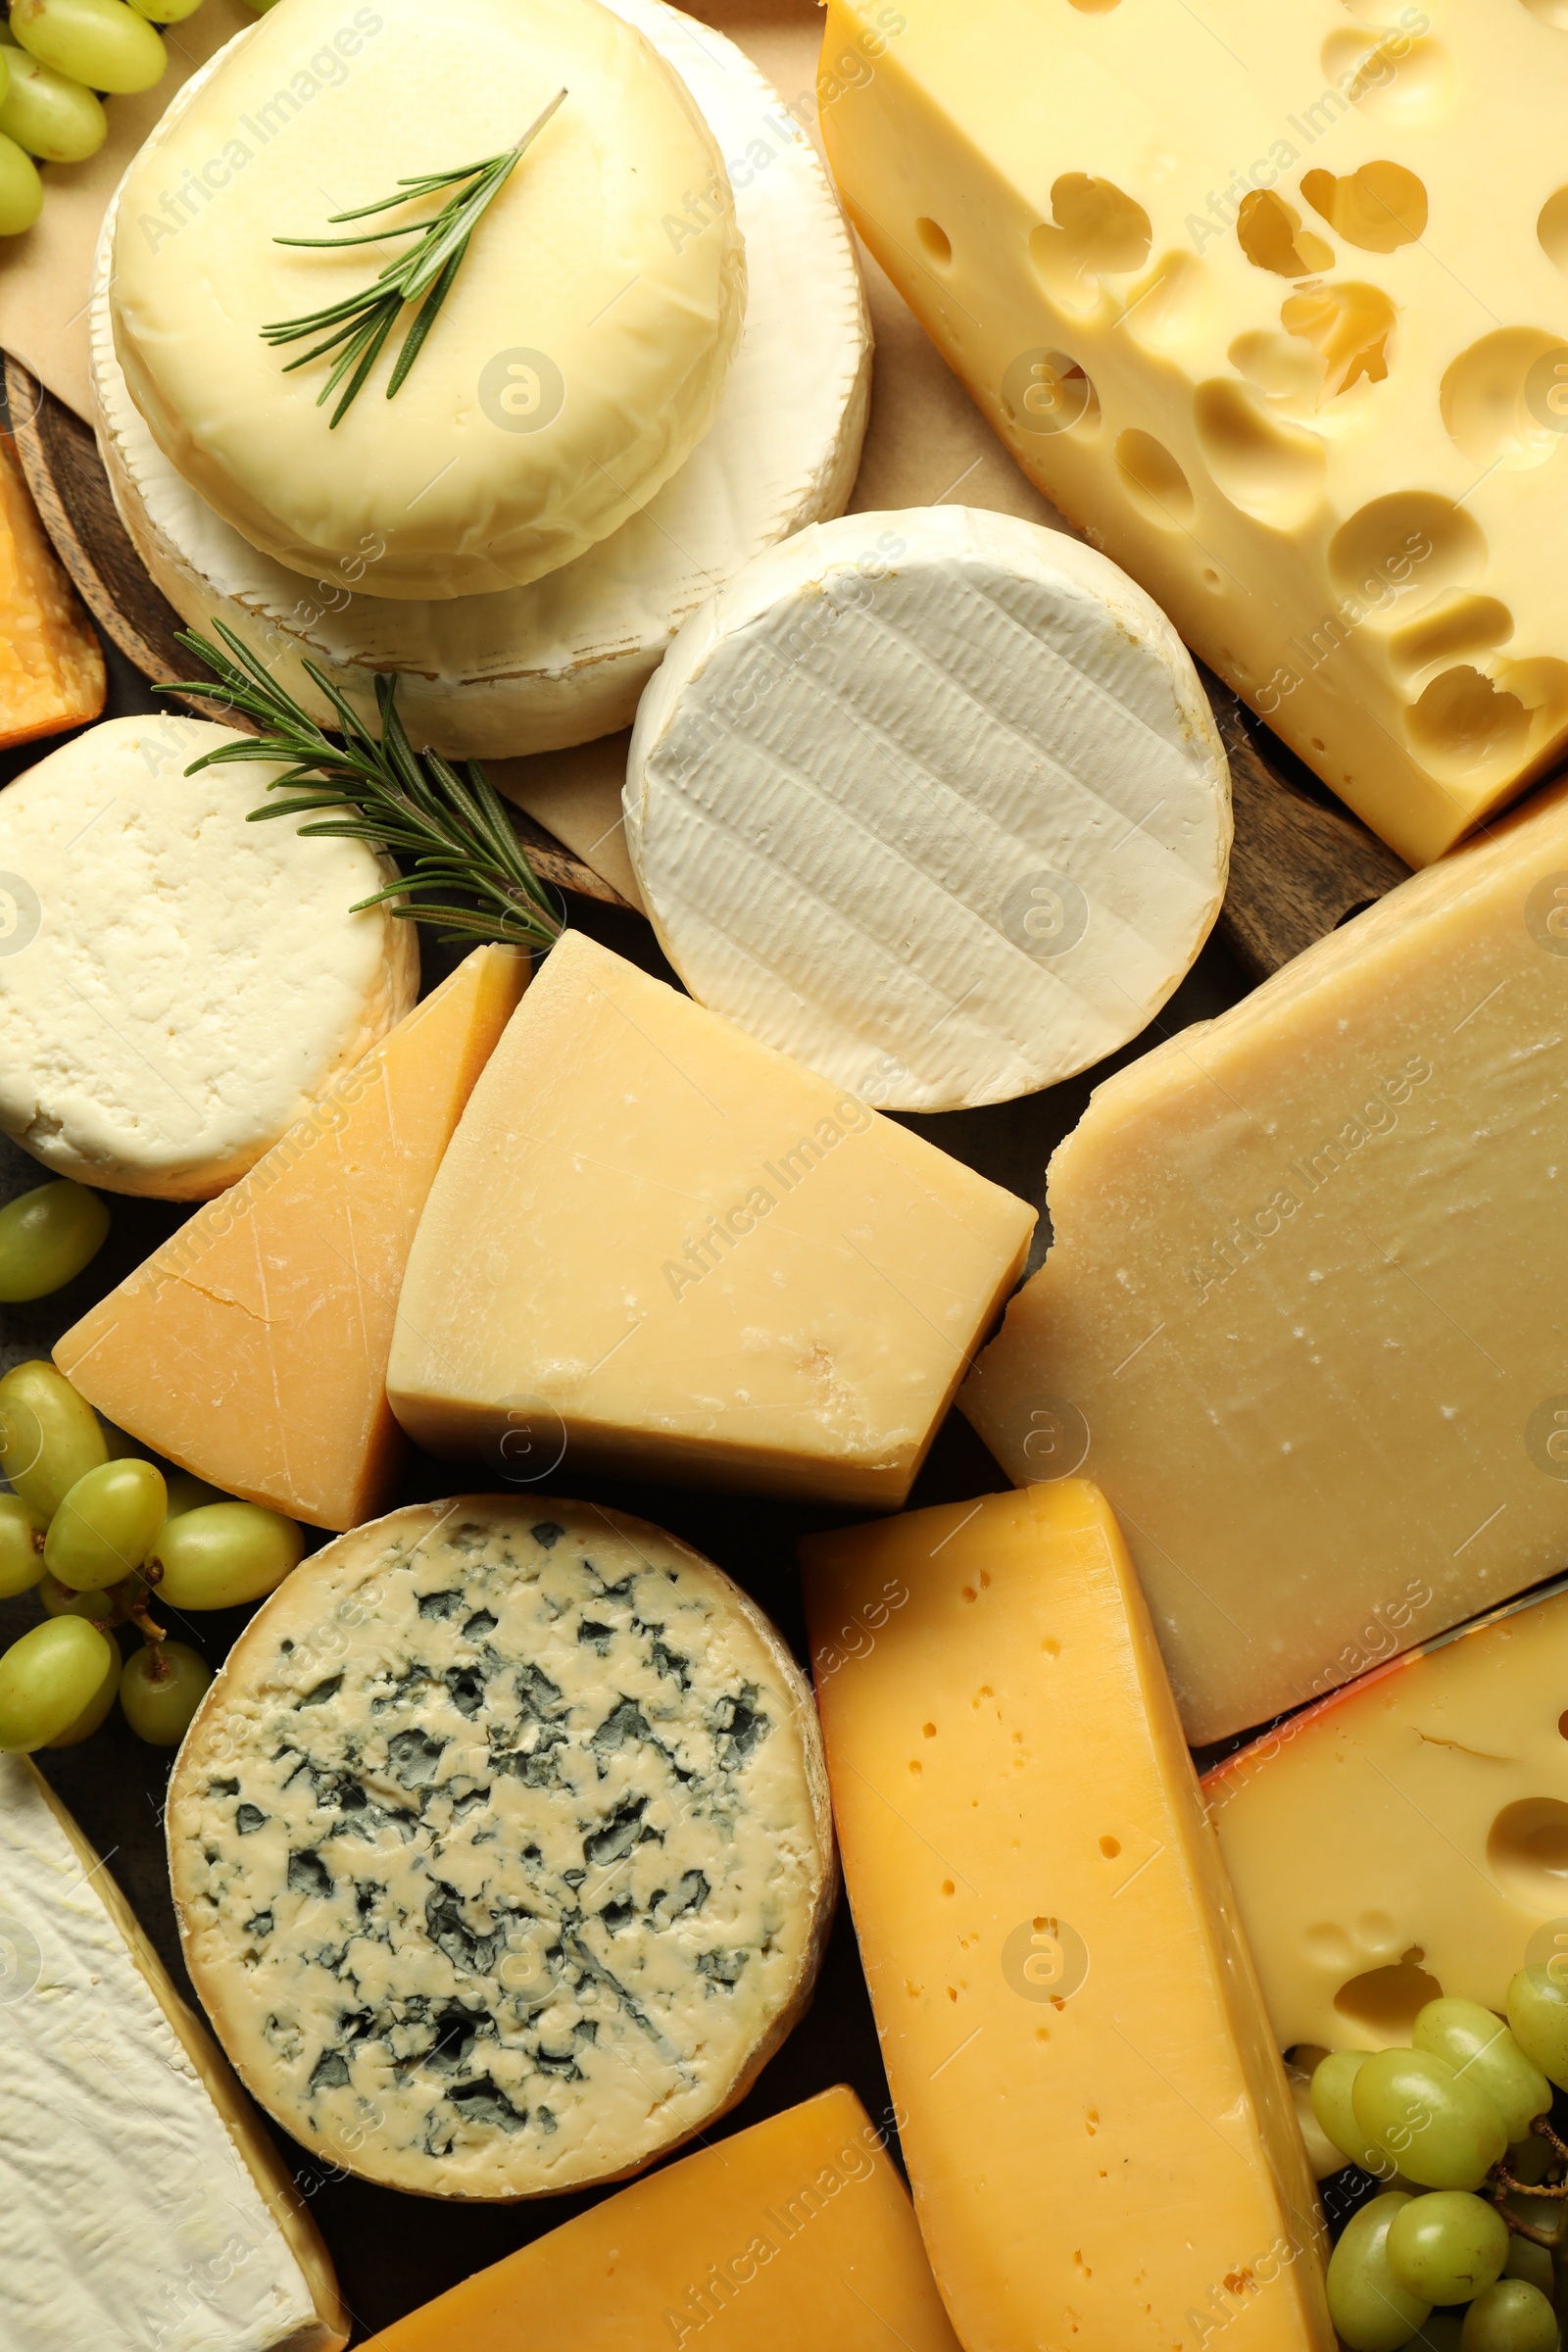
362	322
454	828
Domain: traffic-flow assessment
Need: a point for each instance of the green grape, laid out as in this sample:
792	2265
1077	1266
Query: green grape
48	1235
161	1690
49	1436
99	1608
21	1532
101	43
1538	2016
1511	2316
1371	2310
166	12
55	118
1530	2160
20	189
189	1494
1438	2130
47	1679
105	1525
1446	2247
1532	2263
222	1554
97	1707
1480	2046
1333	2079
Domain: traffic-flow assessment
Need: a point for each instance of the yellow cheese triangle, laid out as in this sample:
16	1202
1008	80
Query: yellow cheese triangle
794	2236
251	1348
1092	2111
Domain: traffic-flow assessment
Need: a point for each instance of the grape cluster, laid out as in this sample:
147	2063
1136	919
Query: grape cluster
103	1536
59	59
1456	2254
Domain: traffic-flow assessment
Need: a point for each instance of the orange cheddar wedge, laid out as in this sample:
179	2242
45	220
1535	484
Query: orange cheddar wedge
1094	2113
794	2236
51	670
251	1348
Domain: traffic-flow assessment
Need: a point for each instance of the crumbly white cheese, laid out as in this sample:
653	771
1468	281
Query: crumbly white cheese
501	1847
577	358
564	660
131	2219
177	986
934	792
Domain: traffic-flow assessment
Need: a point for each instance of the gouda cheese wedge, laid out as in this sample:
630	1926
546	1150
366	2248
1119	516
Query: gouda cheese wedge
51	670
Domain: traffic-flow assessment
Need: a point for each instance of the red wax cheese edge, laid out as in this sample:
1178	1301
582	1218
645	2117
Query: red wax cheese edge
1096	2119
251	1348
794	2236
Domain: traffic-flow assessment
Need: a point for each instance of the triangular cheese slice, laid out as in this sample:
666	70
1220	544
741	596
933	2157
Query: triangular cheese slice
251	1348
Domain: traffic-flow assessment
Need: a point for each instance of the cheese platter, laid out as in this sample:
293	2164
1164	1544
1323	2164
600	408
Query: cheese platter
780	1337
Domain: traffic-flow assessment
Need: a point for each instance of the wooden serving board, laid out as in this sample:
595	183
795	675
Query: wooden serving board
1300	867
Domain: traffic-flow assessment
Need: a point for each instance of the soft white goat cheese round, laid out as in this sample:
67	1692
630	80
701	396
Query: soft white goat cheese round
577	359
177	986
564	660
501	1847
933	800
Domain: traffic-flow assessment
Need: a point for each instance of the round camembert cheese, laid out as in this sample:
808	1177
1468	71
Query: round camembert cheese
564	658
934	801
177	986
580	354
501	1847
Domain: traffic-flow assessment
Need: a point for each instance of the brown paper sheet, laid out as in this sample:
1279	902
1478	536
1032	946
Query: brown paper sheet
926	444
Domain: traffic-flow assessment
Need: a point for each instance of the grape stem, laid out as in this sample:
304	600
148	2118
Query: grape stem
151	1634
1560	2147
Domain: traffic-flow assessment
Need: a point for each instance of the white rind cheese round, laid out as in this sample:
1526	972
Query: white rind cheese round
501	1847
564	660
935	796
176	986
577	359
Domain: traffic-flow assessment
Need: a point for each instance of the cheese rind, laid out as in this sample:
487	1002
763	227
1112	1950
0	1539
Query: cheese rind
121	2128
936	790
577	359
782	2238
657	1245
564	658
1096	2122
1400	1838
501	1847
1306	1315
1186	266
179	986
51	667
251	1349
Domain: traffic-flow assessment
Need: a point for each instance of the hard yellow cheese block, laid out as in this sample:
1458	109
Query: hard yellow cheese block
659	1245
1096	2122
51	670
1306	1315
1409	1835
794	2236
251	1348
1222	281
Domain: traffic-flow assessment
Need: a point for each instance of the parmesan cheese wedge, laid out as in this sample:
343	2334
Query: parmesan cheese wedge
931	799
564	660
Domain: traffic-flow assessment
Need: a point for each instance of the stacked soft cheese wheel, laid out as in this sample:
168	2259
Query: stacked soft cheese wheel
641	374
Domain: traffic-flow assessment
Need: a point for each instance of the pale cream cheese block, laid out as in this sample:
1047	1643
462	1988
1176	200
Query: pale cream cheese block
933	796
1305	1317
1404	1838
657	1247
144	2201
564	658
578	357
502	1847
178	986
1272	301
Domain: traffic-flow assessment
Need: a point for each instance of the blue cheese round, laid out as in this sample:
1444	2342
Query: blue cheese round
502	1848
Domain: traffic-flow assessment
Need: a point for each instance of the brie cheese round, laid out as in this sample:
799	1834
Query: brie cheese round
177	986
501	1847
576	359
564	660
934	801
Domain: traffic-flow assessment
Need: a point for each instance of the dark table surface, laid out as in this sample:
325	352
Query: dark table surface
393	2251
